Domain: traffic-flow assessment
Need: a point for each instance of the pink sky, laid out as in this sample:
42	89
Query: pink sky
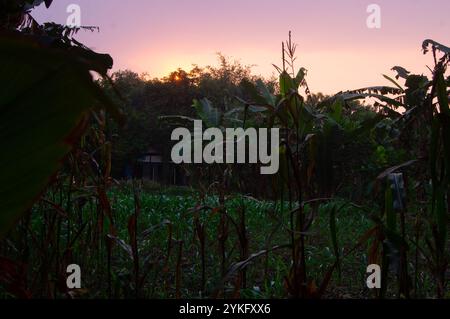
334	43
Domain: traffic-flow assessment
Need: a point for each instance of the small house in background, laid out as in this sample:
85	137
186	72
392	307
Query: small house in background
154	166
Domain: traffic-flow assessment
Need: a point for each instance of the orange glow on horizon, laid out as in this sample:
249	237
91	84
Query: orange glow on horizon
158	37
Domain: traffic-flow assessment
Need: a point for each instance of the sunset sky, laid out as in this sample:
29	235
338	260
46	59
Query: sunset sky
334	42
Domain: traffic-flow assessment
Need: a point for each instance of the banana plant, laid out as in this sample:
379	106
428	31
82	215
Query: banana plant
425	121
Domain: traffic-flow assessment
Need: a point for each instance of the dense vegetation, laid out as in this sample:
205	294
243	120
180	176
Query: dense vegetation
364	179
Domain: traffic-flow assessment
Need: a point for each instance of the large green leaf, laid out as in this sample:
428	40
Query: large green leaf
427	43
265	93
287	85
254	92
209	114
45	97
442	94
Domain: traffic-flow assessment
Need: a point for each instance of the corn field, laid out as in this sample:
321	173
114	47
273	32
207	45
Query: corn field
363	180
